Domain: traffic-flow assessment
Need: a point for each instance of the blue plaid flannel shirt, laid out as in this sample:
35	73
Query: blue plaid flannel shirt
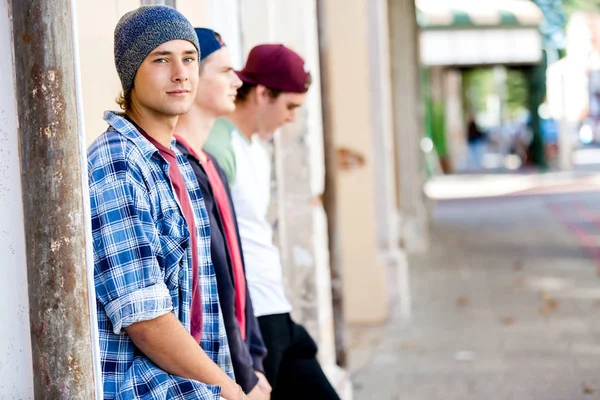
142	263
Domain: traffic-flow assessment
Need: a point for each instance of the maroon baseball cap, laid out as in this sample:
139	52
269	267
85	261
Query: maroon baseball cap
276	67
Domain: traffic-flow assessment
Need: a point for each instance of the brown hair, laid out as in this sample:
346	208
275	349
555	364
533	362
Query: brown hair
308	81
124	100
246	88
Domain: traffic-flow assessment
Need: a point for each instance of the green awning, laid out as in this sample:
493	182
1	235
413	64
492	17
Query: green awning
469	14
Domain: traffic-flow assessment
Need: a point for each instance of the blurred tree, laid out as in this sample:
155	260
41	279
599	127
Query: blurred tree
516	92
554	14
571	6
553	25
553	31
536	92
477	85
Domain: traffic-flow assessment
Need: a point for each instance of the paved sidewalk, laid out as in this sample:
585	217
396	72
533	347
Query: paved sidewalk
506	305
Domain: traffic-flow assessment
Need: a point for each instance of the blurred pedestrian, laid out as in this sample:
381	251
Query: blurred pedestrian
476	140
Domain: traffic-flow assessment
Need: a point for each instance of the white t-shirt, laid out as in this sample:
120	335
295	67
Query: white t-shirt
247	165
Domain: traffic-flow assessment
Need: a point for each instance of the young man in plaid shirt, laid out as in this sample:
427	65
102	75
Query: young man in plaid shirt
160	325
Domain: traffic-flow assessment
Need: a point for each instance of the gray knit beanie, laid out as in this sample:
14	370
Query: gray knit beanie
142	30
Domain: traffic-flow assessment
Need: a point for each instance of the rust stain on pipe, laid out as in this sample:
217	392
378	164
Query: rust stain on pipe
51	175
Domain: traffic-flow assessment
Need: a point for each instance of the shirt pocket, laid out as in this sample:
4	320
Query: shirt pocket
174	244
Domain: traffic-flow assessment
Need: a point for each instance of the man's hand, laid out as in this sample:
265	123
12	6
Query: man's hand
263	384
257	394
165	341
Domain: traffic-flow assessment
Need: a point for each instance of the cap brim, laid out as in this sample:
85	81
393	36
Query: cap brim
245	78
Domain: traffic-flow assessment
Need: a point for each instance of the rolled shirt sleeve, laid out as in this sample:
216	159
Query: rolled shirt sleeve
129	281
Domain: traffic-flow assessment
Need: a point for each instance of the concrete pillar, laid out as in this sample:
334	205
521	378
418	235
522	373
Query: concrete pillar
349	79
455	125
565	90
382	122
383	125
408	123
330	198
437	117
16	372
436	83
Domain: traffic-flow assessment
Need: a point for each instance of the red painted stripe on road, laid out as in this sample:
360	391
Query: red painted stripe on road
587	240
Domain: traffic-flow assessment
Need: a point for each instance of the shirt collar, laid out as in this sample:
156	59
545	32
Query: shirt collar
119	123
187	151
184	147
232	128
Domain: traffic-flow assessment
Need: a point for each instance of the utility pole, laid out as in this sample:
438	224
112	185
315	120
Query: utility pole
53	199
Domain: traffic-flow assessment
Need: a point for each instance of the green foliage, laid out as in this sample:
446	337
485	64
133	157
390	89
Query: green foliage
571	6
438	128
516	91
477	84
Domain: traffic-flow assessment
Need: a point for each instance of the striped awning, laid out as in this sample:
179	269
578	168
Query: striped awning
464	14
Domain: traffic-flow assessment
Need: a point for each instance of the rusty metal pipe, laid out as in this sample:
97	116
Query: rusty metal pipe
53	199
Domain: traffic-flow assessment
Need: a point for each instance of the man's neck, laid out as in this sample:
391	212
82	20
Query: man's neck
160	128
244	120
194	127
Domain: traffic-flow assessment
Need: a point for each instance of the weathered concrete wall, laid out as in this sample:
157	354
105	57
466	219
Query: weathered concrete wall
16	372
99	80
224	17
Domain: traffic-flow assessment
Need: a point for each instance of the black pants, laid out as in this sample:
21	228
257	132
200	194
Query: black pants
291	365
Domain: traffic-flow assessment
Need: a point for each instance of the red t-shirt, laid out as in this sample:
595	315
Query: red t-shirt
186	207
229	228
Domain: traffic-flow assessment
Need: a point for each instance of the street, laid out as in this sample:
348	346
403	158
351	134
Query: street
505	305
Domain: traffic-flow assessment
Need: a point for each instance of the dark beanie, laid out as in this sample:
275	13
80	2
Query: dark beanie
142	30
209	41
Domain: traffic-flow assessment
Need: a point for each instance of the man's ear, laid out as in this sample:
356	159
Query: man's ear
261	94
